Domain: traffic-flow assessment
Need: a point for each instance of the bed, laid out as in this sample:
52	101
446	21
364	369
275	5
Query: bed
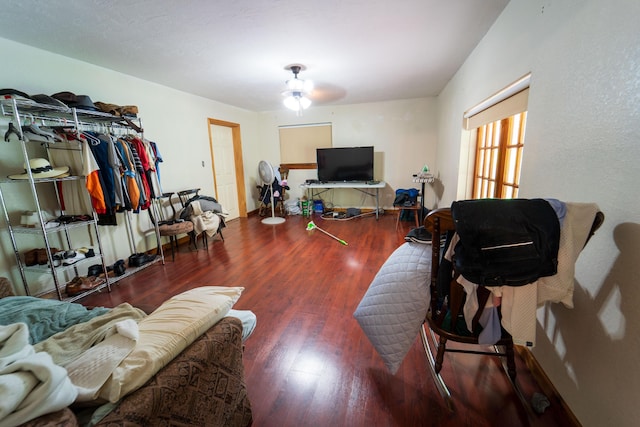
180	365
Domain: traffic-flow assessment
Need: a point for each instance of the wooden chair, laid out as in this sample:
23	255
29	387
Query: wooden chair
171	226
436	332
409	204
416	209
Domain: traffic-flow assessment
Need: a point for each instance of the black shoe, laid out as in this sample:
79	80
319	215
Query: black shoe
95	270
137	260
119	267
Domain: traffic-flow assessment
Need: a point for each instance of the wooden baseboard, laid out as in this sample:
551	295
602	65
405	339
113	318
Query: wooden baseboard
545	383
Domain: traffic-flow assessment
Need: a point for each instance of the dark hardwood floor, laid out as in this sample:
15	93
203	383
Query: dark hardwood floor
308	363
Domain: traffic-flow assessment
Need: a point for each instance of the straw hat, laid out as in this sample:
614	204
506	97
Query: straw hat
41	168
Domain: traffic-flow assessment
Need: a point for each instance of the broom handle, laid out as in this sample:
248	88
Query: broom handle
331	235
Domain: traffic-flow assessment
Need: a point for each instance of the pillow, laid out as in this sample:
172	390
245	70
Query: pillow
166	332
395	305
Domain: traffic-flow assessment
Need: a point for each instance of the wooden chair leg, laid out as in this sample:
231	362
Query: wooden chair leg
173	239
442	345
429	341
193	239
398	218
511	362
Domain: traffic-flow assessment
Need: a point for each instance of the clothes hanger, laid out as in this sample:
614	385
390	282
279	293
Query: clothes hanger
12	129
93	140
33	128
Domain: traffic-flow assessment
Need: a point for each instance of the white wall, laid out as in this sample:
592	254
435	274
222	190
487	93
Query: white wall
403	134
177	121
582	144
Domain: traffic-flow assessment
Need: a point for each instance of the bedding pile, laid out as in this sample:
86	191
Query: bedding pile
30	383
107	353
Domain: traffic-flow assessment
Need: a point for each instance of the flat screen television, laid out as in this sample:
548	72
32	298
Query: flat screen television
344	164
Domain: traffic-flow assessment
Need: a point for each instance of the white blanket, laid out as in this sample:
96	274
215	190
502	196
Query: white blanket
30	383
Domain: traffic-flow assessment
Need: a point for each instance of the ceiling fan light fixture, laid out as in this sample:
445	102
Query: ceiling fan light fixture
297	102
297	90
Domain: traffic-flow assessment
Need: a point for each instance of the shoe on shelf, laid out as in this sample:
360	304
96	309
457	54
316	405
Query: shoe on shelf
82	284
95	270
88	252
61	256
140	259
119	268
71	257
31	257
42	255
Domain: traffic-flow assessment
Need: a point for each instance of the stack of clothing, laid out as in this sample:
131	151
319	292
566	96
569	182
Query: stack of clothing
418	235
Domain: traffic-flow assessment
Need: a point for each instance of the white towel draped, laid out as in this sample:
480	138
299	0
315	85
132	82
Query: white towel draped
31	385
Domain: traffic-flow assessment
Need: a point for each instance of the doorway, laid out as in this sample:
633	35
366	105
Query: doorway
227	164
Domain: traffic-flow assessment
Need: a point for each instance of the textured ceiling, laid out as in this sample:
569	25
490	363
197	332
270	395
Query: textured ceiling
235	51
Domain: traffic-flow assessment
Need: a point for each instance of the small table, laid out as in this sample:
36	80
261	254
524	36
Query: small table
317	188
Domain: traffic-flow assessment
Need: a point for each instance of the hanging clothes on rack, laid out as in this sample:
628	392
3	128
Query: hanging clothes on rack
100	149
126	176
73	151
141	161
158	160
131	181
150	168
116	166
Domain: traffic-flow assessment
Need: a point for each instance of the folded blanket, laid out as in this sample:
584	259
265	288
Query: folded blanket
44	317
204	220
30	383
66	346
91	370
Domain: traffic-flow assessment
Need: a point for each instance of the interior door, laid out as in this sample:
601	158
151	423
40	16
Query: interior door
226	156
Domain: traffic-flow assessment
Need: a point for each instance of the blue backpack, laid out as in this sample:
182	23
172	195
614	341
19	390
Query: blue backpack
407	197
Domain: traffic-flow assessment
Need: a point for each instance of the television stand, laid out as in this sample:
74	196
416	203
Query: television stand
317	188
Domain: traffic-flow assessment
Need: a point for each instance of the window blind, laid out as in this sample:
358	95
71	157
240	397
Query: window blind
298	143
507	102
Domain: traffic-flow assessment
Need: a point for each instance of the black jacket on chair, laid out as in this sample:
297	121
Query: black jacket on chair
505	242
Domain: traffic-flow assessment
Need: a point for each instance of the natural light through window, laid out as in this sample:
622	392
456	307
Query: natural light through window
499	158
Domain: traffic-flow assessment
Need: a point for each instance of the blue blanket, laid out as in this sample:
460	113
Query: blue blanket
44	317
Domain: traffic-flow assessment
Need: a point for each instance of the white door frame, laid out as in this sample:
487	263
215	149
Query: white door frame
238	162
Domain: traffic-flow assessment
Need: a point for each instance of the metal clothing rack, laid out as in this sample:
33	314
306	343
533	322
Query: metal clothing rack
17	109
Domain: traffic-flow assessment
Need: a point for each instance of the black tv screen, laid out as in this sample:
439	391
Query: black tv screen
345	164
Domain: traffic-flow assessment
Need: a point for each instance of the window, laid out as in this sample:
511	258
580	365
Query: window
499	158
499	123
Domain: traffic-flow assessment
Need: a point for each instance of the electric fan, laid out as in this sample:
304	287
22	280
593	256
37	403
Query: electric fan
267	176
